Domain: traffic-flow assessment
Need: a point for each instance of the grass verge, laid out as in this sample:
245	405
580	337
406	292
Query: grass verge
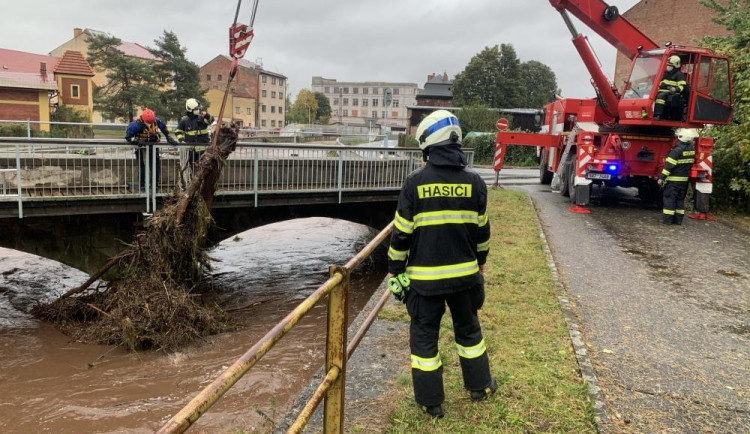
530	351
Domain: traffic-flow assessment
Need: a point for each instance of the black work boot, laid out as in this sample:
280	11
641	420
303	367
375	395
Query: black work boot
434	411
481	395
667	219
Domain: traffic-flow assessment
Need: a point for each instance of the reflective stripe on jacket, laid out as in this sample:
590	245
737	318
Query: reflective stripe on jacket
678	163
441	231
194	129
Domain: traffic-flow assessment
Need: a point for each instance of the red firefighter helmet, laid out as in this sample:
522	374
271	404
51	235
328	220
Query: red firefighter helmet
148	116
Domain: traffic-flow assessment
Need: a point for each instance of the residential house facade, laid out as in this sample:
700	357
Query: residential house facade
437	92
266	89
362	104
32	85
80	44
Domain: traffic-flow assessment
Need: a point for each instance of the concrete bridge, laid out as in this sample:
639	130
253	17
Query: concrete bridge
77	200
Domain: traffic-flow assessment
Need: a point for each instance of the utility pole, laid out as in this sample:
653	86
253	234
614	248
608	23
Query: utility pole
387	98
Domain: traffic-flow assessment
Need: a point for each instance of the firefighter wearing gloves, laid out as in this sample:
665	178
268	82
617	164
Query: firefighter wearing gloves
440	241
144	132
193	129
674	178
670	89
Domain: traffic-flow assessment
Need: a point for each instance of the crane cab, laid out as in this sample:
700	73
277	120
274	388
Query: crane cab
707	98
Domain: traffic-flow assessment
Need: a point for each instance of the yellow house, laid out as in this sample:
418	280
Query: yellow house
80	44
31	83
240	107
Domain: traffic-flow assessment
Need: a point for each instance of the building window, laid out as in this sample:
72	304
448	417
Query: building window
263	78
281	83
263	108
364	102
281	109
263	93
208	77
249	111
346	101
365	89
395	103
336	90
263	122
374	90
273	94
273	122
382	115
346	90
75	91
273	80
218	77
273	109
326	89
374	102
374	114
236	110
346	112
395	91
355	90
335	101
355	102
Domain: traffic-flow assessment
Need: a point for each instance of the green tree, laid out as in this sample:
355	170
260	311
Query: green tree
477	117
324	108
305	108
540	84
131	82
732	148
492	77
177	74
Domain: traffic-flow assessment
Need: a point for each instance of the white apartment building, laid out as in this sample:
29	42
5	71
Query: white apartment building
361	103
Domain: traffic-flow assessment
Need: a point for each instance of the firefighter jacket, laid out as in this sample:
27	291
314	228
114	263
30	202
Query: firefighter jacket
140	131
678	163
194	129
441	231
674	78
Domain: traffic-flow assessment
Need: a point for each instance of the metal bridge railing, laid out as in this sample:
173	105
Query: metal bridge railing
66	169
332	388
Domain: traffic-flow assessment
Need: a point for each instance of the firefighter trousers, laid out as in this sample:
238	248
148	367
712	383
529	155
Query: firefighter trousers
427	369
674	202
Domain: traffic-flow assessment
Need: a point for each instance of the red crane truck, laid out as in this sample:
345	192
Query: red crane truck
614	139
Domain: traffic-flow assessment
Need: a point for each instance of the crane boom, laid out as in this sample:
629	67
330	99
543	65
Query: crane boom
607	22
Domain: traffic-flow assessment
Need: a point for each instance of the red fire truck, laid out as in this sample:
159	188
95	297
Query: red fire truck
614	138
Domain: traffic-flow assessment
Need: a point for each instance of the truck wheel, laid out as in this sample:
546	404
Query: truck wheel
568	172
545	176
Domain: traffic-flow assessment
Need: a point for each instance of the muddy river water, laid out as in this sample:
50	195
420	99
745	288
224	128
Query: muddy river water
50	384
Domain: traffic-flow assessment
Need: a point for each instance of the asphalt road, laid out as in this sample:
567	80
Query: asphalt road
665	311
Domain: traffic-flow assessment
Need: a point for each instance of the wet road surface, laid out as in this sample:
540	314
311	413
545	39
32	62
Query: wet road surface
50	384
666	312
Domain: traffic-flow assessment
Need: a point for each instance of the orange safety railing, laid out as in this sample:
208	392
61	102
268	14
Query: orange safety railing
337	352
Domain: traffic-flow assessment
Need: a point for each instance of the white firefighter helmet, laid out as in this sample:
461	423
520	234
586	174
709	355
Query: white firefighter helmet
192	104
687	135
674	61
438	128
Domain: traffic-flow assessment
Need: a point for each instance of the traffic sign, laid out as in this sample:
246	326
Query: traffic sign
502	124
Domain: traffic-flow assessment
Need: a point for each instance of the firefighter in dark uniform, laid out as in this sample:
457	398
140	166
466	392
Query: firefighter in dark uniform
193	129
671	88
144	132
438	248
674	178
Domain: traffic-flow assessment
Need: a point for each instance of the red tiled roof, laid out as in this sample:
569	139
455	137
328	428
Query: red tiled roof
133	49
20	61
73	62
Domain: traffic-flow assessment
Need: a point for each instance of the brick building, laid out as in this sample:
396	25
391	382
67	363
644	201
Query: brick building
30	84
437	92
266	89
361	103
79	43
683	22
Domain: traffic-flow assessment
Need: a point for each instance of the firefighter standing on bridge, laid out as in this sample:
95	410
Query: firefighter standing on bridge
439	245
144	133
674	178
193	129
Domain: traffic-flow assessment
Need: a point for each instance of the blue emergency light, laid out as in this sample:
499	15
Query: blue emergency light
612	167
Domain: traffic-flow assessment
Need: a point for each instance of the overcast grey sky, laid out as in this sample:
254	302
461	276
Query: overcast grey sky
349	40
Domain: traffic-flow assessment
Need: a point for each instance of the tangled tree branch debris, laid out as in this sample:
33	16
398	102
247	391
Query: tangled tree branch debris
156	300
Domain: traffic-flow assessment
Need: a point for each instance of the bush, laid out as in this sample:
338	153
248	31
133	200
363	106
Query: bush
67	114
13	130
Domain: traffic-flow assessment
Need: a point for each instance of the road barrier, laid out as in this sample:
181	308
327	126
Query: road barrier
332	388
